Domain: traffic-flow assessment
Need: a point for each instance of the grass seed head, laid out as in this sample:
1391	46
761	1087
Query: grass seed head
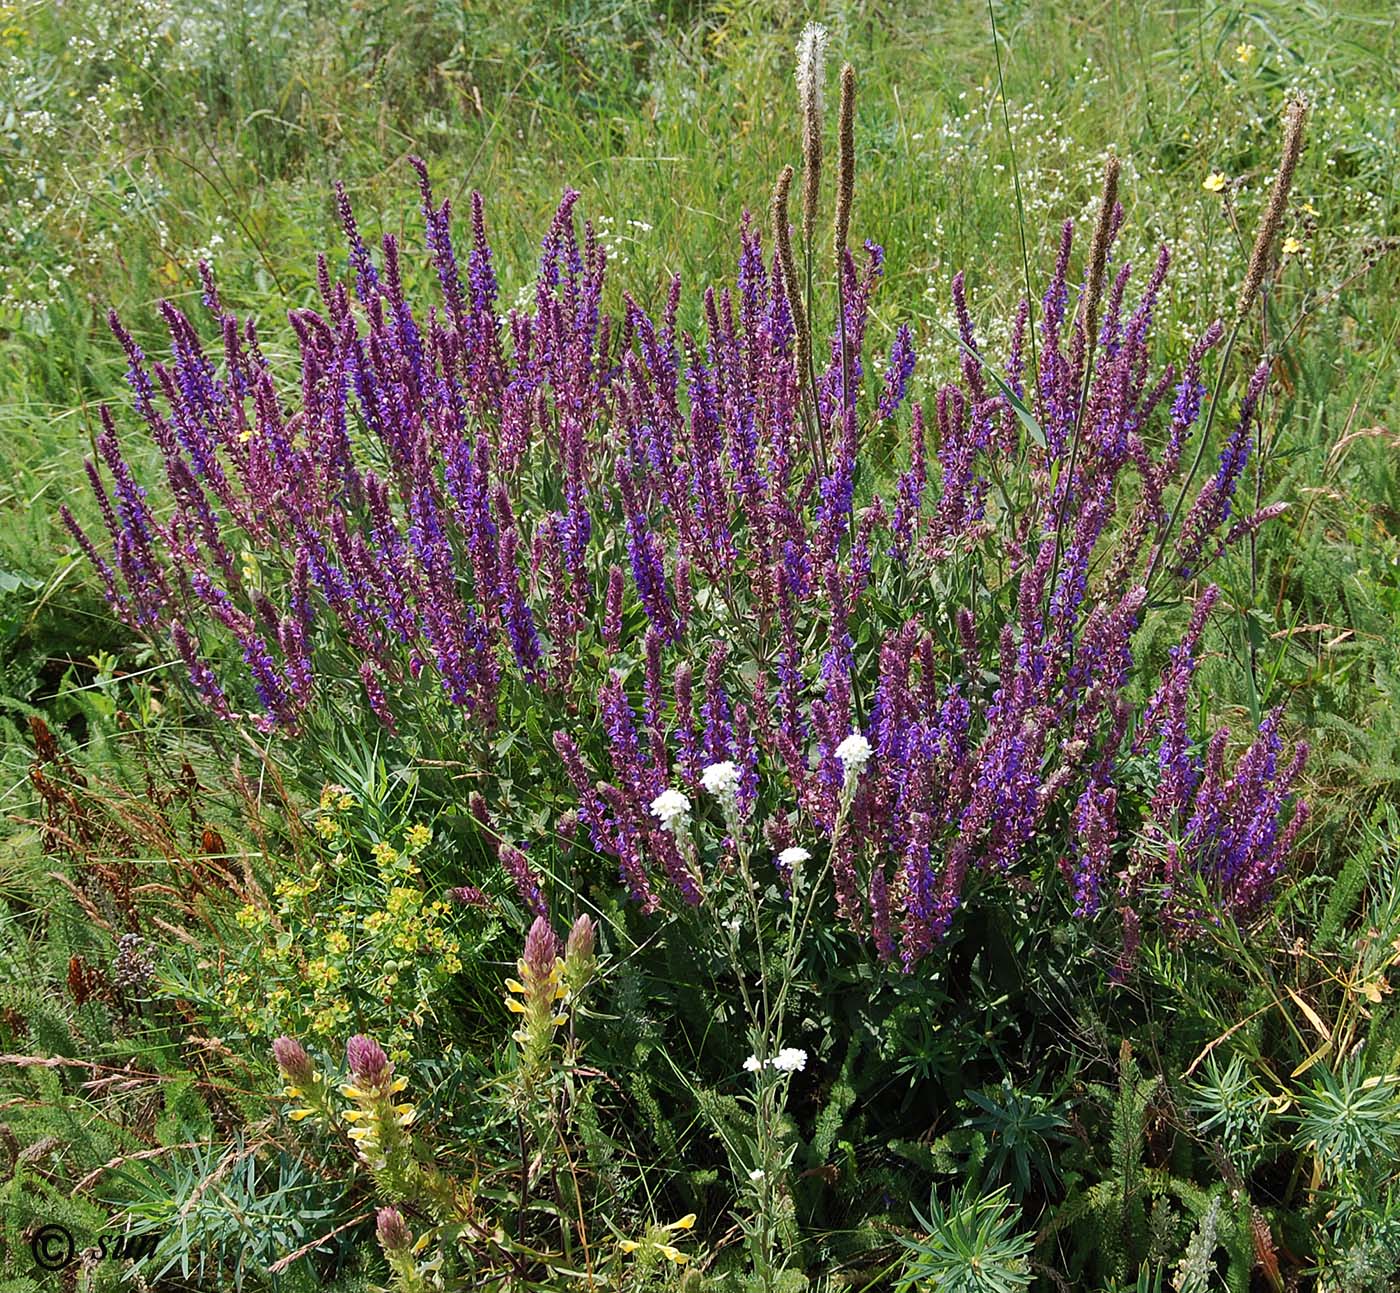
1098	251
845	160
1294	123
811	78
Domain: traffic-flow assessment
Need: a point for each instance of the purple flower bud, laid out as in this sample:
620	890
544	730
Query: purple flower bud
392	1231
541	948
293	1061
368	1064
582	941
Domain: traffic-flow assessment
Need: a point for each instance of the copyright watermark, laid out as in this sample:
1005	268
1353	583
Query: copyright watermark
54	1249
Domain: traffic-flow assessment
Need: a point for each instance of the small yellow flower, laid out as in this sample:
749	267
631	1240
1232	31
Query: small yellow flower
1291	246
418	836
1215	182
1244	54
1309	209
335	797
385	853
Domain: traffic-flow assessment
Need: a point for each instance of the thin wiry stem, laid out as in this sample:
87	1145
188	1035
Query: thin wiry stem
1020	208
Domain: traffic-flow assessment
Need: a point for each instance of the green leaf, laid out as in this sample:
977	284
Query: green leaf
1017	403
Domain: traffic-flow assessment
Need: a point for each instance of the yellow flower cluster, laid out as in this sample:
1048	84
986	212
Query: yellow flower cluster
540	987
376	1121
655	1241
334	799
345	942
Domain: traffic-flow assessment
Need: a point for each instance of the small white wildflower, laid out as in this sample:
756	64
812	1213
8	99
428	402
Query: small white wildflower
752	1064
791	1059
795	856
757	1174
671	808
854	753
720	779
733	925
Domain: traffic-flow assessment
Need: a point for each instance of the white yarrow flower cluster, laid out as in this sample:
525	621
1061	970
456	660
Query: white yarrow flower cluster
791	1059
721	779
793	857
672	810
854	754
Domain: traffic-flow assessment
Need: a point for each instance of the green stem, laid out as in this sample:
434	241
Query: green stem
1020	208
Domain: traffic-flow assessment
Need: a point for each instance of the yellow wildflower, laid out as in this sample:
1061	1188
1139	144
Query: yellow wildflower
417	836
1244	53
385	853
1215	182
1291	246
655	1241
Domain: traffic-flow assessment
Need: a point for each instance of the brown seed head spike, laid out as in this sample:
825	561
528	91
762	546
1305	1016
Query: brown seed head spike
1098	251
845	160
782	239
1295	119
811	75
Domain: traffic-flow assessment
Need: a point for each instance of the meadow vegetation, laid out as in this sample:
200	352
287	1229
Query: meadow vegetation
649	646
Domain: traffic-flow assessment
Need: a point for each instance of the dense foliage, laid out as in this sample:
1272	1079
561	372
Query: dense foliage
660	784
